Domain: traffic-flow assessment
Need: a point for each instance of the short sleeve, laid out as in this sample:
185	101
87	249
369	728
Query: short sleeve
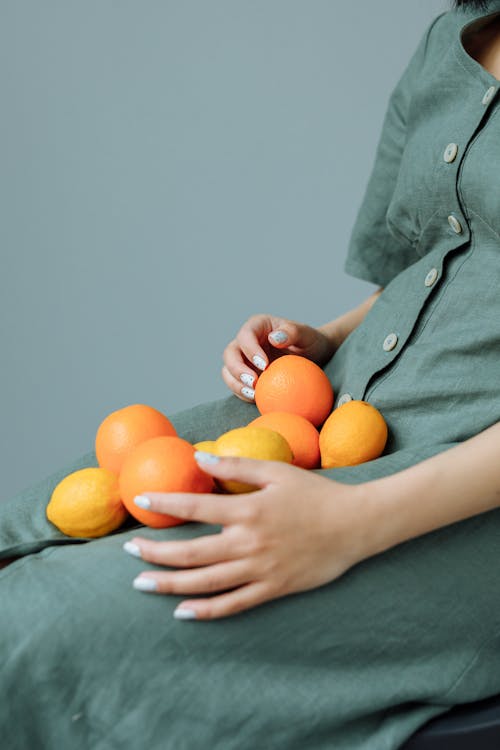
374	254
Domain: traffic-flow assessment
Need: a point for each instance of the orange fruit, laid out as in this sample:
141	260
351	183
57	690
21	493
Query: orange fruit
354	433
301	435
295	384
251	442
87	503
162	464
124	429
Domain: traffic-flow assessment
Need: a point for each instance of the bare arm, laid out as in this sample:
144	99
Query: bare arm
449	487
339	329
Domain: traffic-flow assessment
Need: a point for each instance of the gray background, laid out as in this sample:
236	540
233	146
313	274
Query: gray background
166	170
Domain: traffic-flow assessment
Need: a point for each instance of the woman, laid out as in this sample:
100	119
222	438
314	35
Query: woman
393	565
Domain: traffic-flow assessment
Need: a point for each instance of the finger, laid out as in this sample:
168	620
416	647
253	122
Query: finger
249	340
248	470
220	577
291	334
215	509
191	553
223	605
279	338
238	367
240	388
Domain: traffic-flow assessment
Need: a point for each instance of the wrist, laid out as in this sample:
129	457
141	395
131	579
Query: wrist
354	523
333	335
380	526
411	502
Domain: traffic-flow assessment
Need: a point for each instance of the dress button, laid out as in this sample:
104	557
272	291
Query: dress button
455	224
390	342
450	153
489	95
344	399
431	277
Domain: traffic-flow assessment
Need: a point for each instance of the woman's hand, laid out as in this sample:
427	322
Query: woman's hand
297	532
262	339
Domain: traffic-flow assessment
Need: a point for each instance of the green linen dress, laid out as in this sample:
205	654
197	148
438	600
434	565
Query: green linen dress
359	664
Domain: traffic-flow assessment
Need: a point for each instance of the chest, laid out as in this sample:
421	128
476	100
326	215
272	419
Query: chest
451	158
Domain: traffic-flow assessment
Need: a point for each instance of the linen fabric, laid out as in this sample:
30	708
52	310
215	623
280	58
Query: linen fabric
360	663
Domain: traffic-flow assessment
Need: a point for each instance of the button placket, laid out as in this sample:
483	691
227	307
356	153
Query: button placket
446	230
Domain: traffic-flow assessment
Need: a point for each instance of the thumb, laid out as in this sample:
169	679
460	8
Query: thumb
288	334
249	470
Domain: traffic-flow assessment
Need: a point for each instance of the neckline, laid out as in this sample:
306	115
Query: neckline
470	63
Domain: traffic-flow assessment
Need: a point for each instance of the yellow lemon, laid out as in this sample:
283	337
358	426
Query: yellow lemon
87	503
251	442
206	445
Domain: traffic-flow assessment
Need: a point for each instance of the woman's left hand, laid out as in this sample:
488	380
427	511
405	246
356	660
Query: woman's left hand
298	531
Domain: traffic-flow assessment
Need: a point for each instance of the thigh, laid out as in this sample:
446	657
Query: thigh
360	662
208	421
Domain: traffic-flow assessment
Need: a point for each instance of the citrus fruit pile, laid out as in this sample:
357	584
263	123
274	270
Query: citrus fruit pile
138	449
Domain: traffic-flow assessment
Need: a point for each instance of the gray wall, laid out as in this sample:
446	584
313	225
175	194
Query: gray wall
167	169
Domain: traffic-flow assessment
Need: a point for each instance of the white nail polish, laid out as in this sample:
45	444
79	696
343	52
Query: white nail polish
248	392
145	584
247	379
182	613
142	502
259	362
132	549
279	337
202	457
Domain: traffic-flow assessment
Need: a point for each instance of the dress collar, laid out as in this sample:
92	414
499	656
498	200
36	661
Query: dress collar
467	19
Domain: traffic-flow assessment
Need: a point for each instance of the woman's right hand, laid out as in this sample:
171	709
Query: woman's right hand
264	338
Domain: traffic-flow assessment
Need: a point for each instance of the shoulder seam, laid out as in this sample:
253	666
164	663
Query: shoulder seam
431	27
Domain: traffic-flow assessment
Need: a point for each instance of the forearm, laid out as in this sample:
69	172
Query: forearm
340	328
449	487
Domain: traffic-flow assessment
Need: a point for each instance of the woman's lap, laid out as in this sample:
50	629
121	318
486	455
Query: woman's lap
24	527
97	664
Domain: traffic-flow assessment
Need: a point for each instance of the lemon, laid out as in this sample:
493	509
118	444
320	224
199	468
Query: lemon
206	445
251	442
87	503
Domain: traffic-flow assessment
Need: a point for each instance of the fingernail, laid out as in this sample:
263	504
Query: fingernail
206	458
279	337
142	502
184	614
248	392
247	379
145	584
259	362
132	549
